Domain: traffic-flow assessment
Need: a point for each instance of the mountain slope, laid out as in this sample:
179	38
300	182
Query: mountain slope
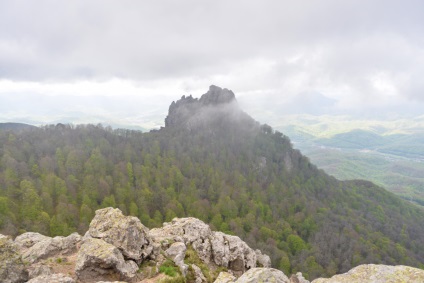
15	126
214	162
394	161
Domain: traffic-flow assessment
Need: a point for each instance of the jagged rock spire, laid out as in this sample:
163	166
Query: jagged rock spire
184	108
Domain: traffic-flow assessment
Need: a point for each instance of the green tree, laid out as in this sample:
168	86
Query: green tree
296	244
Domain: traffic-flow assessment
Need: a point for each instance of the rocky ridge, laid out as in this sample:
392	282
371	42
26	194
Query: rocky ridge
119	248
190	112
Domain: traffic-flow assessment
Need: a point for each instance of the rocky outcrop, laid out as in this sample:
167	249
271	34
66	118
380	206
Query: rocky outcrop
231	252
212	247
298	278
177	253
187	107
119	247
373	273
36	270
190	231
12	268
262	260
198	275
225	277
263	275
217	95
98	260
124	232
35	247
29	239
53	278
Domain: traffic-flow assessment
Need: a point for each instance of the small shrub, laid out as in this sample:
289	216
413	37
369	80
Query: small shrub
169	268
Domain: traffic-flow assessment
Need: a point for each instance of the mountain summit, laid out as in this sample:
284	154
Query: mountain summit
187	107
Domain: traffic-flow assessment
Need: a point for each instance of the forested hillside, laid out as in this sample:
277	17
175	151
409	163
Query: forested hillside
394	161
214	162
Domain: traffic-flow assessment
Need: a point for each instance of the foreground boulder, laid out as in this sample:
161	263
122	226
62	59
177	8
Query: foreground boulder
12	269
124	232
98	260
35	247
225	277
377	273
231	252
213	248
263	275
177	253
53	278
298	278
29	239
262	260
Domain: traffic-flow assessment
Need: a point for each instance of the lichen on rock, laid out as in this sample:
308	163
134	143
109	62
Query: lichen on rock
12	268
124	232
98	260
377	273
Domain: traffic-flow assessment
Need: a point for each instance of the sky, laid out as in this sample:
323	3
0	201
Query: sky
123	62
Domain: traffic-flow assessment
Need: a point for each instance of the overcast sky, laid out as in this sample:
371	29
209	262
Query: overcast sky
124	61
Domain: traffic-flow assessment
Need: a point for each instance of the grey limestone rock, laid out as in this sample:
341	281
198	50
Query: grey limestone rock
263	275
198	274
377	273
36	270
37	247
29	239
191	231
52	278
98	260
263	260
231	252
12	268
298	278
124	232
214	248
225	277
177	253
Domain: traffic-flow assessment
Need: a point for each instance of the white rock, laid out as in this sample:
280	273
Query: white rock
198	274
98	260
211	247
177	253
53	278
262	259
29	239
263	275
48	247
12	269
124	232
377	273
225	277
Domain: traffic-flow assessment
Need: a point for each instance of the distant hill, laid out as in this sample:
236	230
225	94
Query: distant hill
214	162
395	161
15	126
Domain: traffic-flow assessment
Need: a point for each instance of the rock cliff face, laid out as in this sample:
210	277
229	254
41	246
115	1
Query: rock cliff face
189	111
118	247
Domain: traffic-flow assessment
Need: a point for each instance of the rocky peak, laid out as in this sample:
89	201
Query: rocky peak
217	95
181	111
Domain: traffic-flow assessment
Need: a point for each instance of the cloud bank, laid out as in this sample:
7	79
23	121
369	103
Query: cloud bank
355	57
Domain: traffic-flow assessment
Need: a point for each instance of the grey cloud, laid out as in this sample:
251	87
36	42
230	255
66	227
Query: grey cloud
326	47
